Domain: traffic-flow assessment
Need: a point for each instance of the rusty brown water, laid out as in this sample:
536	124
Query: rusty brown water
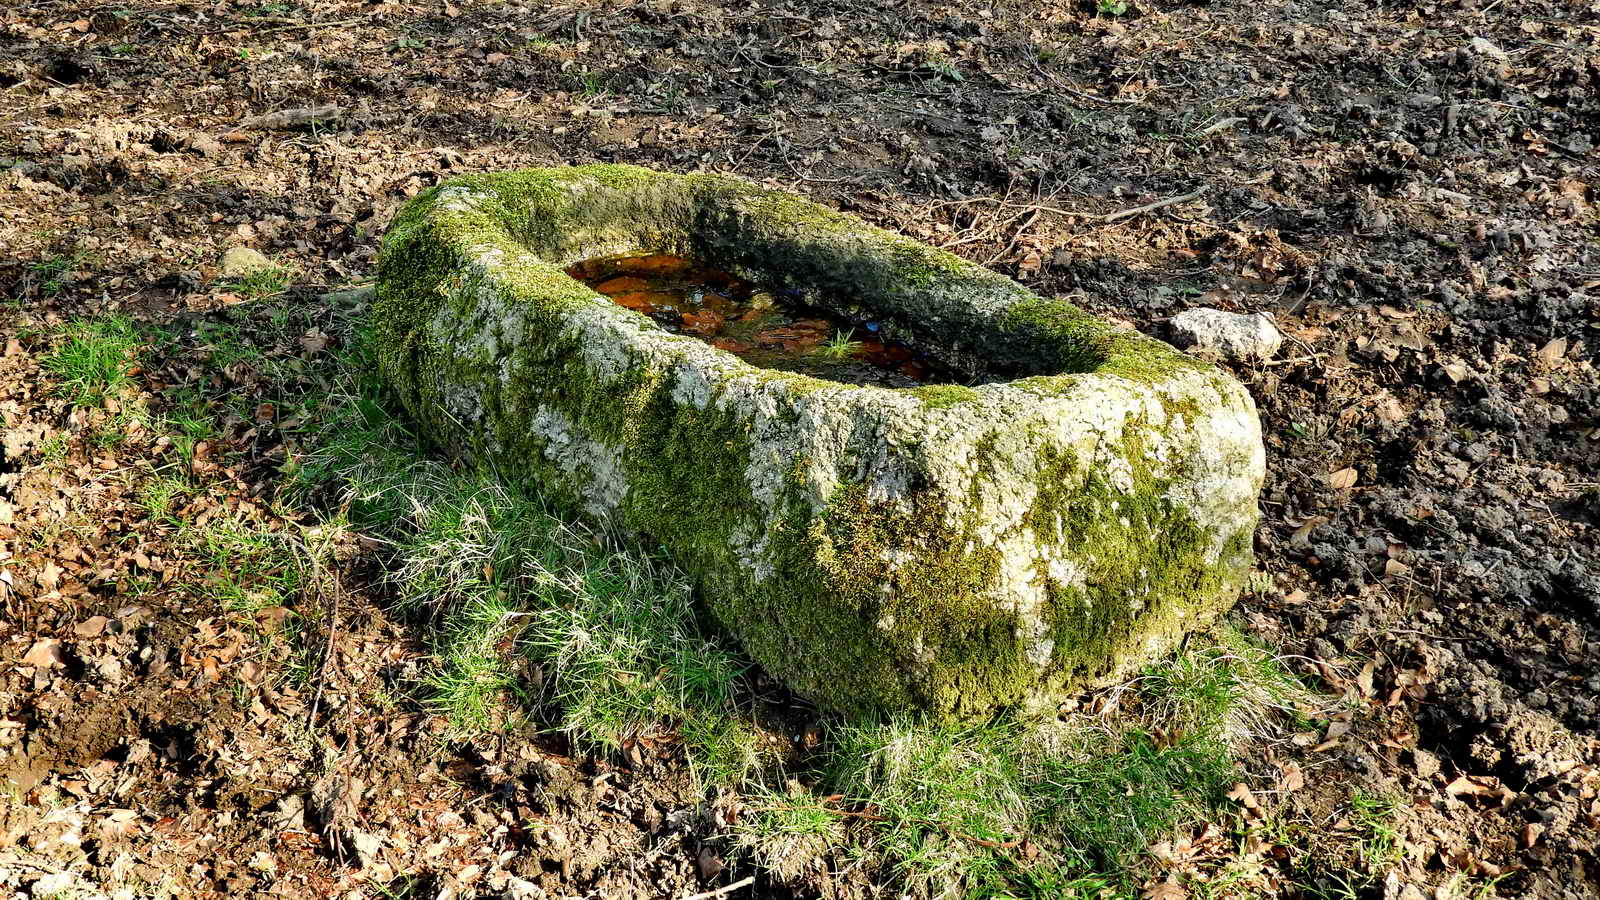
758	326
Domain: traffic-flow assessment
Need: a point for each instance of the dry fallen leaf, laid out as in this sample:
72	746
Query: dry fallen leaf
1336	730
1303	529
1342	479
1293	778
1552	352
45	654
92	627
1165	890
314	341
1480	786
1241	793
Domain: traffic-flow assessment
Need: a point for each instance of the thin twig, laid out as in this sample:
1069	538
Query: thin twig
305	25
328	650
1085	95
248	25
725	889
1222	125
1032	215
1289	362
1148	207
1022	206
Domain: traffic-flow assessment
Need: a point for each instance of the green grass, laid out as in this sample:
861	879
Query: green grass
1375	818
95	359
533	619
51	274
790	831
54	449
248	568
509	587
469	682
189	419
1348	857
159	495
840	346
1235	691
939	792
948	808
224	345
590	85
265	281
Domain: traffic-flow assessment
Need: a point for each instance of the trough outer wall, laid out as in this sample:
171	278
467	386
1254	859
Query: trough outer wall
944	549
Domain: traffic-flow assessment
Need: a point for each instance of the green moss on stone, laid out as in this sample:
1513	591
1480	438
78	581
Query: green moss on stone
1145	573
859	603
943	396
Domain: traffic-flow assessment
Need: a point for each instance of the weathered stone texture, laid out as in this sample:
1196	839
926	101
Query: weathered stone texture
944	548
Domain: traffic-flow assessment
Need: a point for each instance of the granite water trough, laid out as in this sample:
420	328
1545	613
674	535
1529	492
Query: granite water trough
1047	504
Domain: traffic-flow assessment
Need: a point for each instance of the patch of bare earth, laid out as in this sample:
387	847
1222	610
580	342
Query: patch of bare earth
1408	189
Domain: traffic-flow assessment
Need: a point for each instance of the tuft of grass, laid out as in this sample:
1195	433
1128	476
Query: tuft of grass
1103	796
590	85
470	683
95	360
944	67
159	495
223	345
54	449
265	281
249	568
951	807
1016	807
527	606
1375	818
789	832
839	347
52	273
1235	691
942	795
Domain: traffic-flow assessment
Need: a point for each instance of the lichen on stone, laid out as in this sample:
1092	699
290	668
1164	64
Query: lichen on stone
947	548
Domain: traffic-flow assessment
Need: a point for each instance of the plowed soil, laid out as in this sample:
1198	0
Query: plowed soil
1409	189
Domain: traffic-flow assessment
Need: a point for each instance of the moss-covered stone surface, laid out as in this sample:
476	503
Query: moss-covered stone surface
944	548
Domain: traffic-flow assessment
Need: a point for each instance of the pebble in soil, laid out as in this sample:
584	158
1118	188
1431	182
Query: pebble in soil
758	326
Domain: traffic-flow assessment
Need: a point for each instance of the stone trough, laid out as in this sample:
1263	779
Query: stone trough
1088	497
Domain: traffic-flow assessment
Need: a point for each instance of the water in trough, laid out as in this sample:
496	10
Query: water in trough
760	327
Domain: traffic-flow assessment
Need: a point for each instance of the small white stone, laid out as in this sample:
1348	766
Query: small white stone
1486	47
1239	336
239	262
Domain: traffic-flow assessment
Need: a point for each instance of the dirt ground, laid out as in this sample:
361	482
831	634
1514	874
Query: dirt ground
1408	188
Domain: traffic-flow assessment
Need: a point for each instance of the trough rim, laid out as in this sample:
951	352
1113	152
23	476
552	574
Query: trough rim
1081	335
